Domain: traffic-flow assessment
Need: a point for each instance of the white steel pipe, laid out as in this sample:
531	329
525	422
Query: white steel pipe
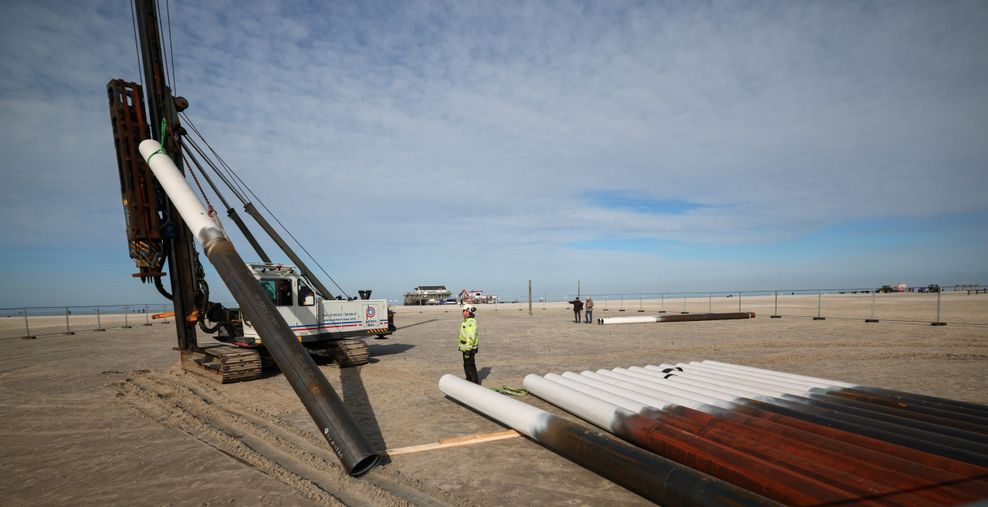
521	417
716	398
636	386
658	479
678	374
628	320
761	387
610	397
753	374
204	226
732	391
822	381
593	410
638	393
651	399
795	385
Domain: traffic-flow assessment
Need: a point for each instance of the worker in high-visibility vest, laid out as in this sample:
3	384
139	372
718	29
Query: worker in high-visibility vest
468	342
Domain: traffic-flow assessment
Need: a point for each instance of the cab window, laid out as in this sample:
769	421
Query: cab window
306	296
279	290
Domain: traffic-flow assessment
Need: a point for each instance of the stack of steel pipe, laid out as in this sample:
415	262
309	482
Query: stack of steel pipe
656	478
795	439
644	319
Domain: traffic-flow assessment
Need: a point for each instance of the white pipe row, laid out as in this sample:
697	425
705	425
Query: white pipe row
779	374
601	397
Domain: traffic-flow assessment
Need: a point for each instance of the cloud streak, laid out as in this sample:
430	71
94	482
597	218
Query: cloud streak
413	135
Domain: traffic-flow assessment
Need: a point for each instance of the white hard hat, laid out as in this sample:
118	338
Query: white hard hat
469	308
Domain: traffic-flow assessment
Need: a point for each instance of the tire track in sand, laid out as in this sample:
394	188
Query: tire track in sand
261	440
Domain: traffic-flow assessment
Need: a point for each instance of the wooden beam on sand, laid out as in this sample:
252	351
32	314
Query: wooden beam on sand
455	441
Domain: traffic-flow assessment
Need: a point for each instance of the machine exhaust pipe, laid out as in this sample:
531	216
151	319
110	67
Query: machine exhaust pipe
317	395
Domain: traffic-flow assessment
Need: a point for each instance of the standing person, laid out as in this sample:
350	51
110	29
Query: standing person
577	309
588	308
468	343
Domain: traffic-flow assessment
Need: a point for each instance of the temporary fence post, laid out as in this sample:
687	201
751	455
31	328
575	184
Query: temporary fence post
739	301
710	303
126	317
872	318
819	302
776	315
68	330
684	312
641	301
27	326
938	322
622	303
605	303
99	322
662	305
147	316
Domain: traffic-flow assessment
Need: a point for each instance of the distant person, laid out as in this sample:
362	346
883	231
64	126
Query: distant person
588	308
468	343
577	309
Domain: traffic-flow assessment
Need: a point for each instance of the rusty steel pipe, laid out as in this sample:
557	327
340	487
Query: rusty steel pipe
961	479
876	429
762	477
864	471
819	460
929	401
964	415
897	395
925	441
904	452
948	416
966	439
959	422
891	423
653	477
926	422
941	415
737	409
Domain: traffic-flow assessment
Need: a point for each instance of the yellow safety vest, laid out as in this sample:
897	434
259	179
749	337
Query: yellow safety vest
468	335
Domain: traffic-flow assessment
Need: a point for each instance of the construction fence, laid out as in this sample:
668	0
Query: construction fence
35	321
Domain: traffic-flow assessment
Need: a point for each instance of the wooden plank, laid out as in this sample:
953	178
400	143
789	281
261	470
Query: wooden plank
455	441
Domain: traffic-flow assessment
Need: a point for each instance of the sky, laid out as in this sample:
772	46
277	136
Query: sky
627	147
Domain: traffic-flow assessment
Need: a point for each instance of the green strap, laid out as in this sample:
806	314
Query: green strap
159	151
162	148
510	391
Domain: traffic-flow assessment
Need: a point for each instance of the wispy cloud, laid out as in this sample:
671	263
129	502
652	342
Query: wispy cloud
391	135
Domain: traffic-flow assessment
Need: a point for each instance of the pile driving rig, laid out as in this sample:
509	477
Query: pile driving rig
284	312
324	323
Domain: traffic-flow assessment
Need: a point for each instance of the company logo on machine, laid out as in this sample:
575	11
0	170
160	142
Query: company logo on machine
370	312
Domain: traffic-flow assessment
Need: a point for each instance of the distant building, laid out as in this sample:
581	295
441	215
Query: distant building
476	296
428	295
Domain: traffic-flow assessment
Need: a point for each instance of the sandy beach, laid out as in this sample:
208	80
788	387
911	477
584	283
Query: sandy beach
109	418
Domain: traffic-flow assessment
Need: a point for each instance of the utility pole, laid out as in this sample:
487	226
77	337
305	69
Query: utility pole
529	297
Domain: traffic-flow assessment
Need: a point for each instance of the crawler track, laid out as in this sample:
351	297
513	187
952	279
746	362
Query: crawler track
223	363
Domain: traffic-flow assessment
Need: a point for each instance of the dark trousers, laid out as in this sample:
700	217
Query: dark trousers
576	315
470	366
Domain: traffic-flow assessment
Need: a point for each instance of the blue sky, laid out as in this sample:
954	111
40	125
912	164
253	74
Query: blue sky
634	146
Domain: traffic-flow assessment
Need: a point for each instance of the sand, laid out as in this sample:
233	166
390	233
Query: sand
108	418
